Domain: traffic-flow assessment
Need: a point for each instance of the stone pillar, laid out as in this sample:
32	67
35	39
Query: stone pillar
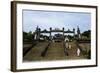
39	33
74	32
36	33
63	32
78	32
50	33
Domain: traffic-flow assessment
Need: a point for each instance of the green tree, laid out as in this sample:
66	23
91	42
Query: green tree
27	36
24	36
87	34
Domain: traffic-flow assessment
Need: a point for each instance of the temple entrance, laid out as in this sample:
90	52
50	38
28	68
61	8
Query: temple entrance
54	44
54	34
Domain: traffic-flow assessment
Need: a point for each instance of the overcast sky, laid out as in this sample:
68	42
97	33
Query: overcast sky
55	19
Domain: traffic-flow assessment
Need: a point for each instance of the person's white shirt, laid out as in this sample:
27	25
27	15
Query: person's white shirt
78	52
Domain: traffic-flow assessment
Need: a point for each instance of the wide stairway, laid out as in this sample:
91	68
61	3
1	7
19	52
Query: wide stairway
55	51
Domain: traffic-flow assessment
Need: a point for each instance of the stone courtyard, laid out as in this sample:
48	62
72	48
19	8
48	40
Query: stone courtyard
57	47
